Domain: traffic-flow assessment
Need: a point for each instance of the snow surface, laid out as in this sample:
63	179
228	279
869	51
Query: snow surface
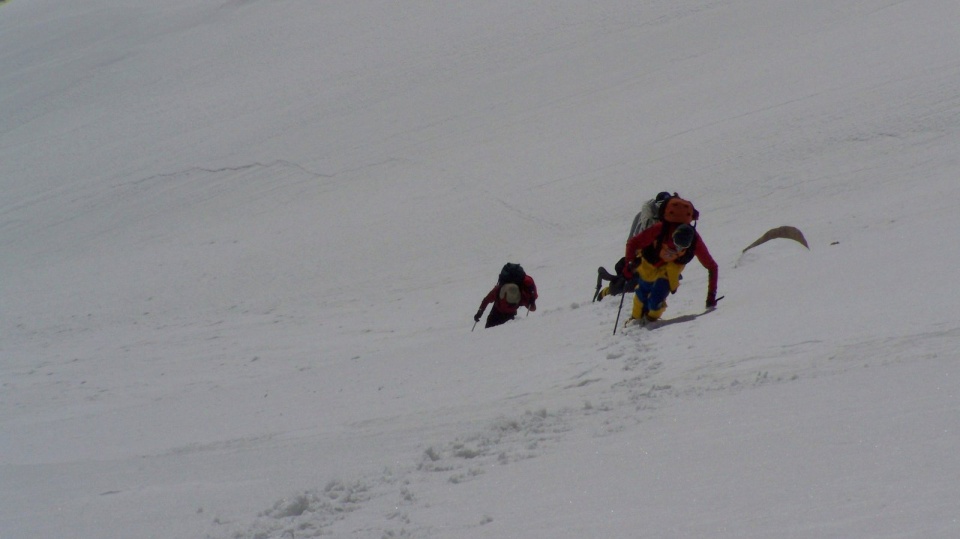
242	241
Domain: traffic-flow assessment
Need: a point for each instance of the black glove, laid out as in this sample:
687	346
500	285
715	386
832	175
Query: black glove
533	306
476	317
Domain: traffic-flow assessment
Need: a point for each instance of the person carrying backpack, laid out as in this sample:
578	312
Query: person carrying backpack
514	289
658	256
645	218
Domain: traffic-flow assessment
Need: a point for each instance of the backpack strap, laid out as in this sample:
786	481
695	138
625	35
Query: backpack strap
652	252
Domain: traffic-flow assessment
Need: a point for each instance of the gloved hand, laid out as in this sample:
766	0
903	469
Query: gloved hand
533	306
476	317
712	300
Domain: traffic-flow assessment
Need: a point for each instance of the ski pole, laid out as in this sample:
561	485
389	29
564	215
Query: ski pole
474	325
617	323
599	284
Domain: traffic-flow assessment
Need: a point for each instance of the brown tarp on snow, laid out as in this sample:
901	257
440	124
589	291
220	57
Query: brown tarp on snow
788	232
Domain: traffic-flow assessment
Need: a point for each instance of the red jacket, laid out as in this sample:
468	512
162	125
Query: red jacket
648	237
528	298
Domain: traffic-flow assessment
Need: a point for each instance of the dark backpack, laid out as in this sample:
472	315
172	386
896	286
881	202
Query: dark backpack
512	273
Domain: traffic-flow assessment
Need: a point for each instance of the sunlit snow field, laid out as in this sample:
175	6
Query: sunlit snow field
242	242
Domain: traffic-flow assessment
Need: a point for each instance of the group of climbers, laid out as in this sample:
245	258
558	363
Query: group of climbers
663	239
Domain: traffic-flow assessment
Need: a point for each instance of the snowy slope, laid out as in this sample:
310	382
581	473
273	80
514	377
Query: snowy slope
243	241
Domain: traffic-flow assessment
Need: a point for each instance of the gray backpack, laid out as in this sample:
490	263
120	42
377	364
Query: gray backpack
649	214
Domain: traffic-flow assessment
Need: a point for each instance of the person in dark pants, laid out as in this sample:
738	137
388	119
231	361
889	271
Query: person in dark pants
506	299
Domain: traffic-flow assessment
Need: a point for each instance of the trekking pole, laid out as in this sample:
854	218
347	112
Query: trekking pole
599	284
476	317
617	323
